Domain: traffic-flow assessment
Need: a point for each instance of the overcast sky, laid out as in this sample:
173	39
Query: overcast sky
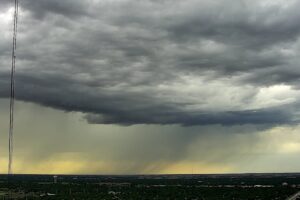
153	86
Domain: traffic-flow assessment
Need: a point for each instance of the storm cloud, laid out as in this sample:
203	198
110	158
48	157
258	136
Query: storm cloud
158	62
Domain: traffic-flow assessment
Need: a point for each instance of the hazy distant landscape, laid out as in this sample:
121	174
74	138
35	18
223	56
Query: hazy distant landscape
138	187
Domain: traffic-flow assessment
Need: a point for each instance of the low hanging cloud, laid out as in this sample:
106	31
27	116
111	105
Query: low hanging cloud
158	62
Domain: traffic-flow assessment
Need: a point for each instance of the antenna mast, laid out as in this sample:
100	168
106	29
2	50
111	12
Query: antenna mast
12	87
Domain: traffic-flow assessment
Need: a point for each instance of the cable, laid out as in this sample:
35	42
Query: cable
12	87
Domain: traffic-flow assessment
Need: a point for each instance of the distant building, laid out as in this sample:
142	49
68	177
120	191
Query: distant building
55	179
284	184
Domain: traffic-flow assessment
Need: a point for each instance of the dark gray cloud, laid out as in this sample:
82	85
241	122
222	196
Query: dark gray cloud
162	116
158	62
67	8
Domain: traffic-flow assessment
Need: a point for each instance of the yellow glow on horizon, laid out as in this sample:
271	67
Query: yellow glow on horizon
3	163
66	163
196	168
291	147
76	165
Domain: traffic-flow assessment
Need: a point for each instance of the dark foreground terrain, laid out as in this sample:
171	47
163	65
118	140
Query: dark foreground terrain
183	187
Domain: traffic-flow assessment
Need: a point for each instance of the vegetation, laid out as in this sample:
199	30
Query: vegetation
188	187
